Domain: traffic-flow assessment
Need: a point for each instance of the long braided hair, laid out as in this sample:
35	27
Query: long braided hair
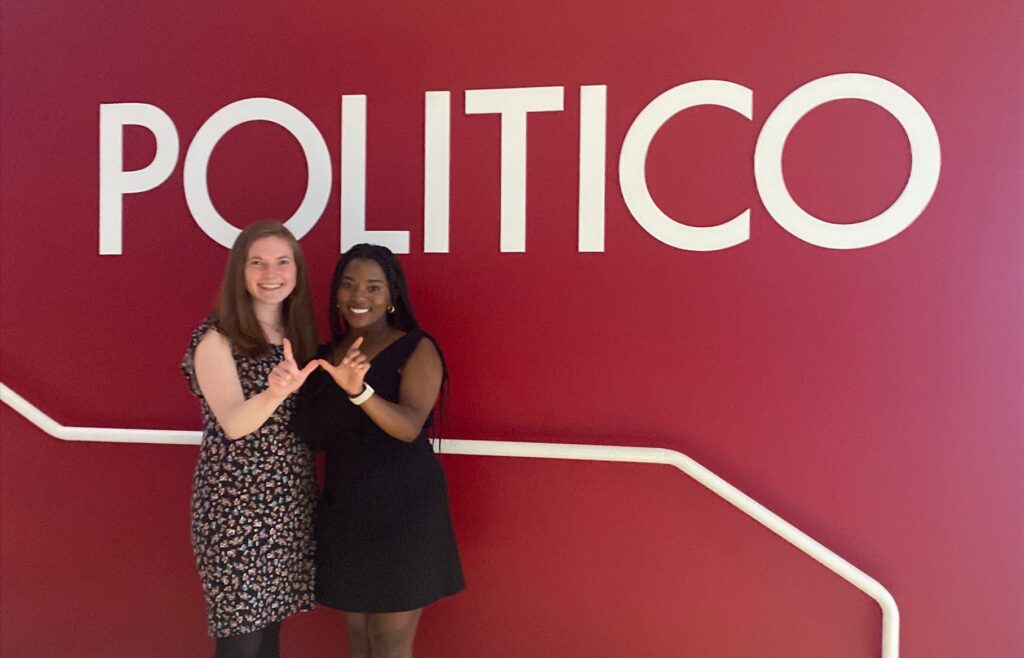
402	319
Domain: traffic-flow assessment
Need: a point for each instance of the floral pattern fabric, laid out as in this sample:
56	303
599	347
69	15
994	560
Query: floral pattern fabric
252	506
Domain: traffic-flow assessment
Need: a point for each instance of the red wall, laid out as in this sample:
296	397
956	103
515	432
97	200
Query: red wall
873	397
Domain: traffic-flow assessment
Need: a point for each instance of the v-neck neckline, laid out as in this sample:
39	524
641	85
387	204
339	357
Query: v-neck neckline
389	346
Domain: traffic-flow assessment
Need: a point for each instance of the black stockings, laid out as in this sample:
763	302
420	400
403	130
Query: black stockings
264	643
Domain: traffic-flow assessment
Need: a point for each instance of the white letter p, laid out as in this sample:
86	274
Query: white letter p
114	181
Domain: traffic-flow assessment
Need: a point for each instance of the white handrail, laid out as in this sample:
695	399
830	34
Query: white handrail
746	504
104	434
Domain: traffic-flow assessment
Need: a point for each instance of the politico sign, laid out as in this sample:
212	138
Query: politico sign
514	105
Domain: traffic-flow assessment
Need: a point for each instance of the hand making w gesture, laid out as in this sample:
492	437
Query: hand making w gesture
350	371
286	378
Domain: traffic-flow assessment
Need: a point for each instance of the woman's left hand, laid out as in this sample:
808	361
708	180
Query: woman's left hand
349	373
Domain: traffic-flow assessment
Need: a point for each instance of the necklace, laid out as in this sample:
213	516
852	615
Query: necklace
276	328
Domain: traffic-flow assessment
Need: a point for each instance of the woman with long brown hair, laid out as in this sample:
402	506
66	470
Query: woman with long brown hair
253	491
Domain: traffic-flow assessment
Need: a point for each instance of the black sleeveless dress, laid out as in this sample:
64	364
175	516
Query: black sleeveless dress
384	539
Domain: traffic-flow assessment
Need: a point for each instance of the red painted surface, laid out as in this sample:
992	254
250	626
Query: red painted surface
872	397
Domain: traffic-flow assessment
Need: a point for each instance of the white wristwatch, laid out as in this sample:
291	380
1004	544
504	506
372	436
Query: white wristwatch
362	397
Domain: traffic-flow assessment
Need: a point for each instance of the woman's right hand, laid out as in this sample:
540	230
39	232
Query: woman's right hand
349	373
286	378
217	374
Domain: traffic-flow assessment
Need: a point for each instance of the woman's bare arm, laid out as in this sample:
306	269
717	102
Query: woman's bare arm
220	386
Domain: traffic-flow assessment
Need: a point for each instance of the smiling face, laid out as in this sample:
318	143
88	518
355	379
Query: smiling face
270	270
364	295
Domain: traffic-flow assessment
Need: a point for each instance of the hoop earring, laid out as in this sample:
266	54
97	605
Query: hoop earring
391	308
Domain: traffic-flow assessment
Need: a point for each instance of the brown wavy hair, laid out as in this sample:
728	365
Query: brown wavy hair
235	317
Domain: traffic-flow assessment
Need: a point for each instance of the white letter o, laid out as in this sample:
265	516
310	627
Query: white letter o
925	161
318	164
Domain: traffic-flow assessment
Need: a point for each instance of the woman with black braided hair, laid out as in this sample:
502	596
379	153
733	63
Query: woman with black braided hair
385	546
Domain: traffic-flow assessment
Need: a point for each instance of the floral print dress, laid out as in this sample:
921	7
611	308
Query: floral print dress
252	506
